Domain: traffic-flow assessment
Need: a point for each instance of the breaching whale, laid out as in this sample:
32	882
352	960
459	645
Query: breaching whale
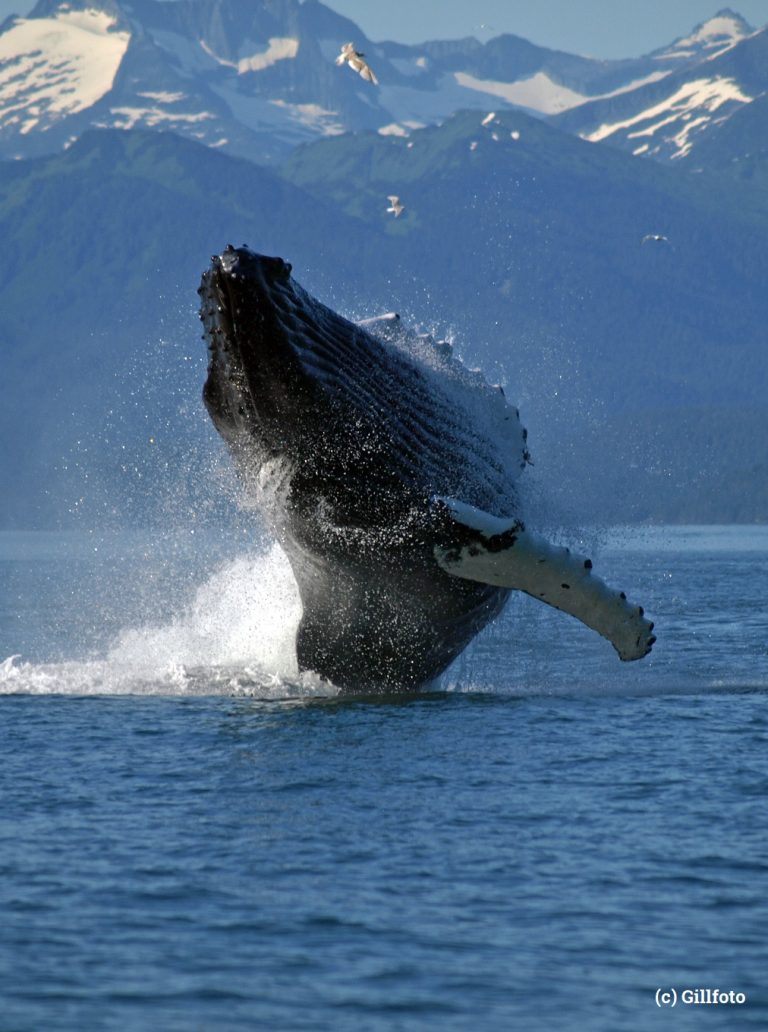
387	472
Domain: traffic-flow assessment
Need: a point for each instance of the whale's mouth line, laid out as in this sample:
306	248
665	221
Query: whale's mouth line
228	393
238	291
216	309
229	333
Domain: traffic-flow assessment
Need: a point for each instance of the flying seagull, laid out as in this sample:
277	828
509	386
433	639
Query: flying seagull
658	238
356	62
396	208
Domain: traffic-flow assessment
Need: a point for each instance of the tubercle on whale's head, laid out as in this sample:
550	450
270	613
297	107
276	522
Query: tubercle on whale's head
241	263
255	382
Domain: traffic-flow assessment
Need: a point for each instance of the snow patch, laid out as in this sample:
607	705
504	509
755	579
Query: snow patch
130	117
399	128
393	129
673	54
54	67
701	96
280	48
539	92
292	123
722	31
312	116
708	41
162	97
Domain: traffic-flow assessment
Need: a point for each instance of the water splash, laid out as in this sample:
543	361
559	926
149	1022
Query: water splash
236	637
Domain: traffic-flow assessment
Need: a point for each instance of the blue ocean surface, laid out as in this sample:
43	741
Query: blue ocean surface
196	837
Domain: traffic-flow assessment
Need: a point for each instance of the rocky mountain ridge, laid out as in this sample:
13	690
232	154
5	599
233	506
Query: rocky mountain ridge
257	79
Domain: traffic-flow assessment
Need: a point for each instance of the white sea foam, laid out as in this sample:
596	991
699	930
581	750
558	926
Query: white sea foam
236	637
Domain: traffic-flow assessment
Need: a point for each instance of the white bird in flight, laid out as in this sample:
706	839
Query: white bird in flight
658	238
396	208
356	62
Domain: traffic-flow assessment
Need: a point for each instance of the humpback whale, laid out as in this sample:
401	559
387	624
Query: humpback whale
387	472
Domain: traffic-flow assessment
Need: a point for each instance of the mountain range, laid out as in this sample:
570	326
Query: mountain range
620	300
255	79
670	117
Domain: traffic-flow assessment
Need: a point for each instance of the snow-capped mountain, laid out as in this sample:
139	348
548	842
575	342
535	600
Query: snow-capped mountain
708	39
667	120
256	78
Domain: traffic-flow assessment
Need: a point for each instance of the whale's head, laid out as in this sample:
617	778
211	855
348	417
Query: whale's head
255	387
294	386
296	391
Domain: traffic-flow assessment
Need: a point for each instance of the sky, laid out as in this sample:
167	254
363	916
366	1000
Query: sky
598	28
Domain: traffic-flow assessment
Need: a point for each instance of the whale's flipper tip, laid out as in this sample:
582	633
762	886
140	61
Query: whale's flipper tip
501	552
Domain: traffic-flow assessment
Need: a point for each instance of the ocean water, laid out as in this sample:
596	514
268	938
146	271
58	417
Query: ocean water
194	837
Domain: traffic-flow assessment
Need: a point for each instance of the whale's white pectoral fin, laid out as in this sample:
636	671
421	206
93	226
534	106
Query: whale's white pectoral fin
503	553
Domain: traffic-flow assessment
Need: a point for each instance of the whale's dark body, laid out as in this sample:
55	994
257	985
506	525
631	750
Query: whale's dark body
347	443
